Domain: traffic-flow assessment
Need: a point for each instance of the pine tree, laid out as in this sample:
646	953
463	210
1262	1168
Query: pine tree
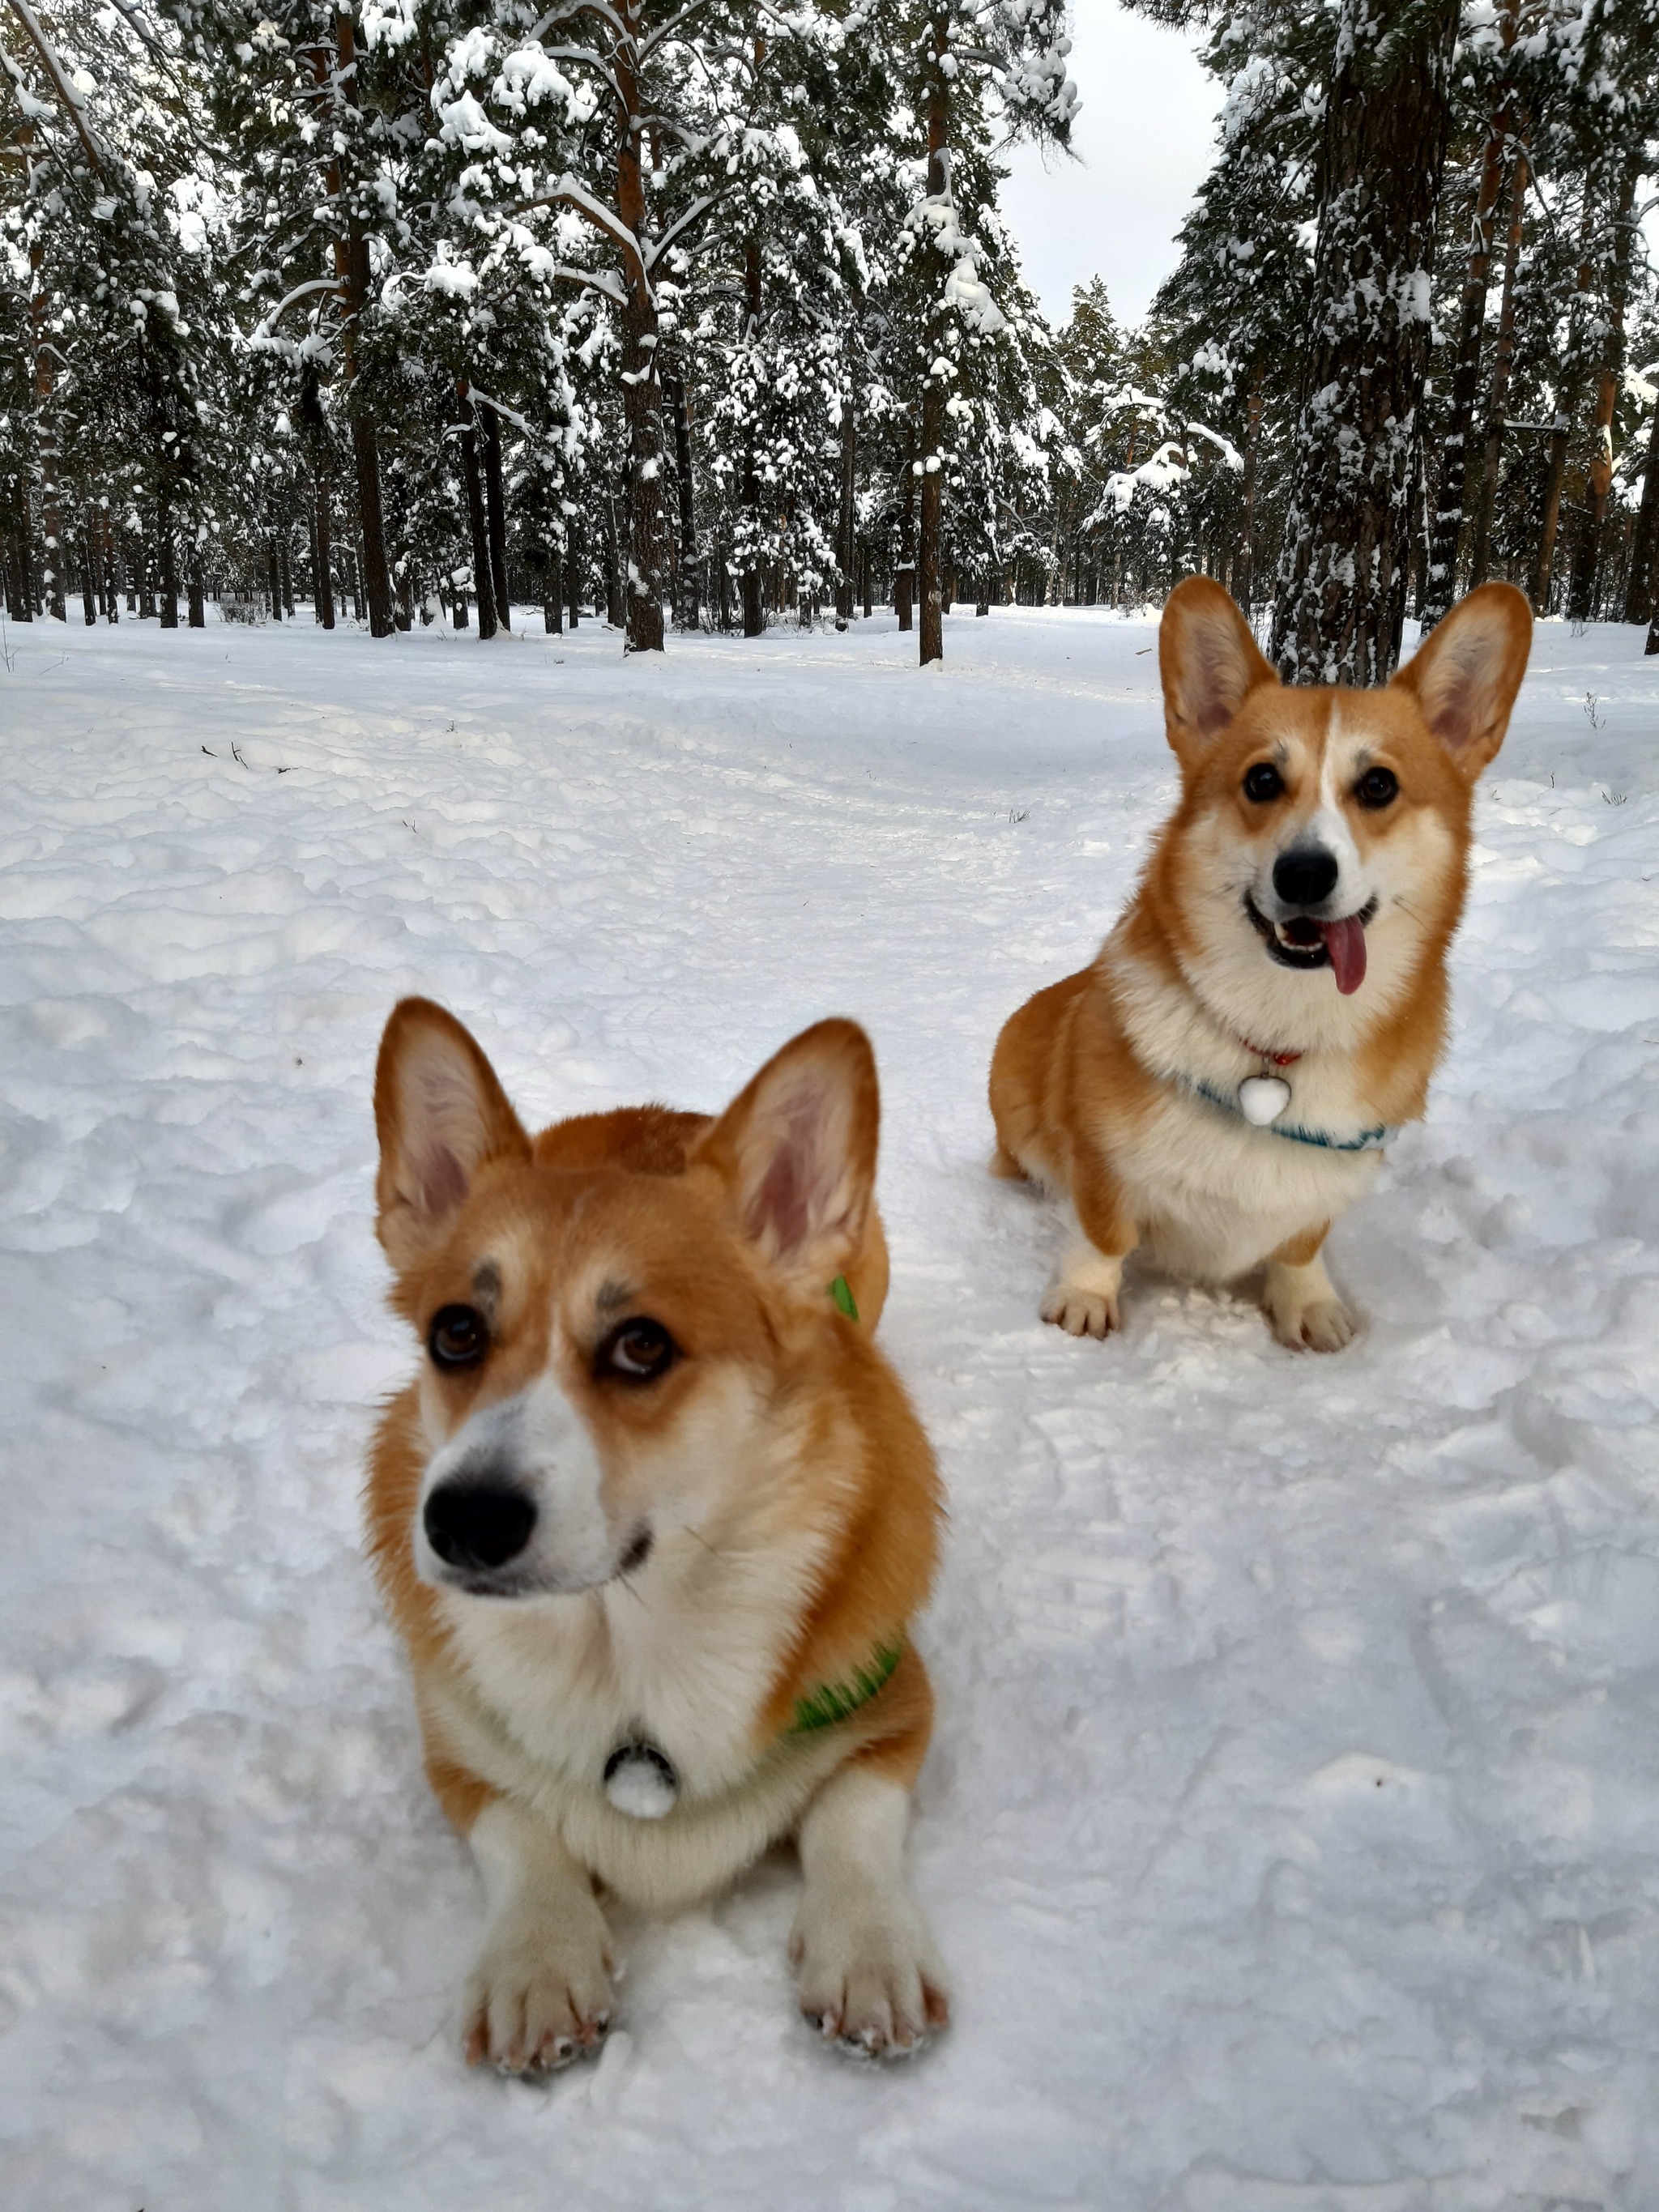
124	312
637	119
1489	76
968	69
1236	303
1355	467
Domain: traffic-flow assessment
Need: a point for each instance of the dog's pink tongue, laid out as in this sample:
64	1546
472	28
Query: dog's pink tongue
1345	941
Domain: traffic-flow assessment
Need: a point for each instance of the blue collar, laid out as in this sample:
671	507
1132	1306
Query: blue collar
1368	1140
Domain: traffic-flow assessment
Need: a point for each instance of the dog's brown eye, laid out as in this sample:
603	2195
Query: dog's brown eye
1263	783
458	1337
1379	786
638	1352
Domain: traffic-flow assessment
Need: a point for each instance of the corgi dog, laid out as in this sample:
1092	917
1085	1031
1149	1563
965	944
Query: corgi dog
654	1523
1270	1007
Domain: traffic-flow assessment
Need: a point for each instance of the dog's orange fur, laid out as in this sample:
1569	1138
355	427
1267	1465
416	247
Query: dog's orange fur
1085	1078
688	1219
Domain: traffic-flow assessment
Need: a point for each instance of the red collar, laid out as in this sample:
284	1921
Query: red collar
1260	1052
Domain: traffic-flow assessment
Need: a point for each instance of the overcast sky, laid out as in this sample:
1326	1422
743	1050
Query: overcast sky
1145	136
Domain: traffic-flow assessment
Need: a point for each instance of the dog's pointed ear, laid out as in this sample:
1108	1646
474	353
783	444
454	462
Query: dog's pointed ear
440	1115
1467	671
797	1151
1209	663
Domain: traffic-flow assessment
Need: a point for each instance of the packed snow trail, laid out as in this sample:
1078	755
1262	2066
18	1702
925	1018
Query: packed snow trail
1291	1830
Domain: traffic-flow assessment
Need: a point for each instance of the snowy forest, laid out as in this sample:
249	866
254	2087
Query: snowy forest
703	313
1290	1828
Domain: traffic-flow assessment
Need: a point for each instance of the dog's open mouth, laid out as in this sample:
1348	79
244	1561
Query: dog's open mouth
1302	942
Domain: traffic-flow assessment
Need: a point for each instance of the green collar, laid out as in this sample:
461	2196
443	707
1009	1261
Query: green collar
834	1701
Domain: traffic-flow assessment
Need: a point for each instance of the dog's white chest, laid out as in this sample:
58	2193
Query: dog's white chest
1217	1194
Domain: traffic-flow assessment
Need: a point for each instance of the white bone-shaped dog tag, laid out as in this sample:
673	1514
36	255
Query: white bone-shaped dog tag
1263	1099
639	1780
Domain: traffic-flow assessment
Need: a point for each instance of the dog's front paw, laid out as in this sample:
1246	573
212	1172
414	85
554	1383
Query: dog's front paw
868	1977
1081	1312
1325	1326
540	1993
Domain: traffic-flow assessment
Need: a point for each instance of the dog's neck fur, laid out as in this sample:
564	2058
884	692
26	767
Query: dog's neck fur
1192	1016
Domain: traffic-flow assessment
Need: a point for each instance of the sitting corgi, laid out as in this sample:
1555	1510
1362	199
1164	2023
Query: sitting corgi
654	1523
1217	1087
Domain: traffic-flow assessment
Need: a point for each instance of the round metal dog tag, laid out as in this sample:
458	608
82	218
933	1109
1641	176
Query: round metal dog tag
639	1780
1263	1099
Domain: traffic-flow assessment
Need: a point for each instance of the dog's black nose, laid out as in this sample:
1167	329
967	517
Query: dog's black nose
478	1524
1306	876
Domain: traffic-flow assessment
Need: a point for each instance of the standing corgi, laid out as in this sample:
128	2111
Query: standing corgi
654	1523
1217	1087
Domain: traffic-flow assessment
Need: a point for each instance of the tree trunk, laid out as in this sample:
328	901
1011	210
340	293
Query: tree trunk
489	436
169	560
754	606
1548	529
754	614
846	544
573	571
615	612
552	594
351	270
324	526
1445	535
104	563
197	595
1568	391
45	433
647	531
483	584
376	585
1587	554
89	546
904	576
1342	578
674	393
1639	593
1503	361
933	390
1244	592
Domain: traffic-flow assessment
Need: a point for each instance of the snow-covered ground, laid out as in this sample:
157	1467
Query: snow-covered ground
1292	1827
